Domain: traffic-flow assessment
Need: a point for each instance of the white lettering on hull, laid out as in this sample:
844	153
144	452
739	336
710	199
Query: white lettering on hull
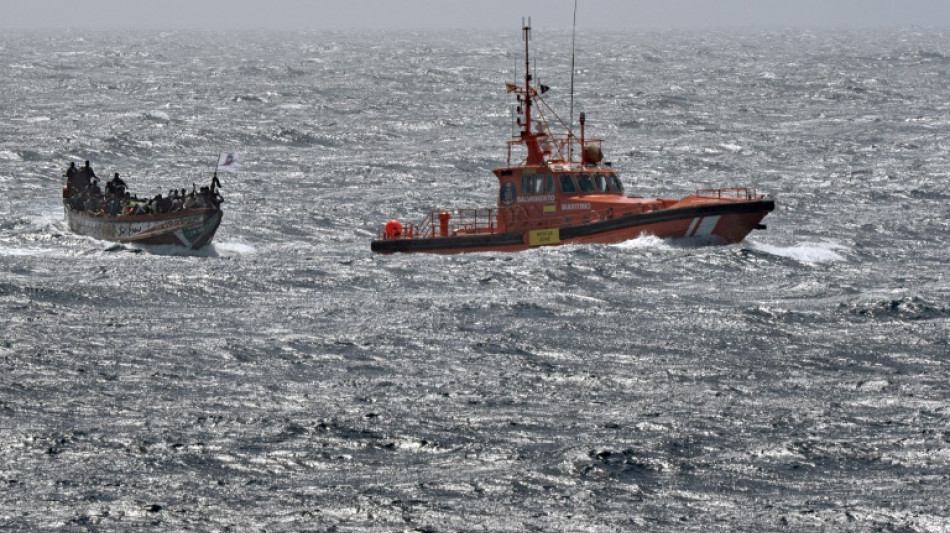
537	198
131	230
575	207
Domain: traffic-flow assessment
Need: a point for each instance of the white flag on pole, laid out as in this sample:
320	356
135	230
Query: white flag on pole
229	161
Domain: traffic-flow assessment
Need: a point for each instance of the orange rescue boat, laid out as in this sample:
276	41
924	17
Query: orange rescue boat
550	198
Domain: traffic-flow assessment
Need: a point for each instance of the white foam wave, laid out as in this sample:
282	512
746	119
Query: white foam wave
806	252
159	115
12	251
644	242
47	216
224	249
731	147
233	248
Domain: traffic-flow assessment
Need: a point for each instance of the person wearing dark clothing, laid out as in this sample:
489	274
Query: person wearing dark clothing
70	177
204	197
89	174
93	204
156	204
161	204
115	185
214	198
115	207
82	177
77	201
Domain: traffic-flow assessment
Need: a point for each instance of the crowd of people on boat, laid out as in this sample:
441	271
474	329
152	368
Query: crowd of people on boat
83	193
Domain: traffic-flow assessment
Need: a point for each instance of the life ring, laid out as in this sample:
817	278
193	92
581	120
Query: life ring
393	229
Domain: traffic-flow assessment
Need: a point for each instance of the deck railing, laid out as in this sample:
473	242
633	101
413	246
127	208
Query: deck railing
728	192
449	222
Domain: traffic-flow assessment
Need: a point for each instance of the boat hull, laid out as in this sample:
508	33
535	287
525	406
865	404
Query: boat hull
721	223
191	228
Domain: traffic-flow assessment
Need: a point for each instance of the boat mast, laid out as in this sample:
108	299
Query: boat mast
570	141
528	138
526	28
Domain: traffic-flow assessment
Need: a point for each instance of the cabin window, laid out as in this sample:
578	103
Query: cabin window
567	184
600	182
585	183
535	184
615	184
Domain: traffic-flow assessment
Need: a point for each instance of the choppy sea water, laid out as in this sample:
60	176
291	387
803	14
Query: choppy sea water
286	379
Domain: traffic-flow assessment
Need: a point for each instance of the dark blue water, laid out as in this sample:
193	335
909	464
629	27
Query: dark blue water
286	379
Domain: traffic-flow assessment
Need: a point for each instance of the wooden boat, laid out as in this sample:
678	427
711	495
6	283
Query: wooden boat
191	227
553	197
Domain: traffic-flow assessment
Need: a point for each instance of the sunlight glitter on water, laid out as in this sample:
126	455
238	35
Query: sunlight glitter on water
285	378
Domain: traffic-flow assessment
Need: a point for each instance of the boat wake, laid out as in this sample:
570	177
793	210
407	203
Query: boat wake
46	216
806	252
643	242
227	249
232	249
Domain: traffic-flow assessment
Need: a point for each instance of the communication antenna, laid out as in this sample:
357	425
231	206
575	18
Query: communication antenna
570	149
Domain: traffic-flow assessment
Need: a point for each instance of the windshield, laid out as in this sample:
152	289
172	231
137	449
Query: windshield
567	184
585	183
615	184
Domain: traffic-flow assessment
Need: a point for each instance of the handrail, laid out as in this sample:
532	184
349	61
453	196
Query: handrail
728	192
460	221
426	228
560	145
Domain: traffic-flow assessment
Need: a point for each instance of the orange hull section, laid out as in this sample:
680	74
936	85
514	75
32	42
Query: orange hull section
715	223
